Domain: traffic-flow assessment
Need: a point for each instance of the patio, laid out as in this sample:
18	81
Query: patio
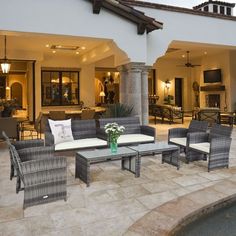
115	199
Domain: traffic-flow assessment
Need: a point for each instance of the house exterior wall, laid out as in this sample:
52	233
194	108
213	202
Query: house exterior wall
72	17
187	28
220	61
75	18
231	94
167	69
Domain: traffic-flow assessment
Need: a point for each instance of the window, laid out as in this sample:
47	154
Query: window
60	88
222	10
228	11
206	8
215	8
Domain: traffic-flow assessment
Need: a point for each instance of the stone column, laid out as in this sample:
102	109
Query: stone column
144	96
123	84
134	88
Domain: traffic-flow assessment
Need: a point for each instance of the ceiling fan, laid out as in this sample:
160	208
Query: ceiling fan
188	63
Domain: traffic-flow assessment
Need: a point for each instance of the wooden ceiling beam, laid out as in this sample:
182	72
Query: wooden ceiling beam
97	5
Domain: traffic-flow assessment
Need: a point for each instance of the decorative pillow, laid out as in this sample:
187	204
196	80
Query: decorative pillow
61	130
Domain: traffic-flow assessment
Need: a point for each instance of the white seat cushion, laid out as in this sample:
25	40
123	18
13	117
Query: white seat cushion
204	147
80	143
134	138
179	141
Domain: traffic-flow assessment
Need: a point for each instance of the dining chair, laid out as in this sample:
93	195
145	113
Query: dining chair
87	114
57	115
10	126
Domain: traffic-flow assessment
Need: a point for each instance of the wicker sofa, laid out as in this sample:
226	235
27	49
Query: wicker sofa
84	134
134	132
166	112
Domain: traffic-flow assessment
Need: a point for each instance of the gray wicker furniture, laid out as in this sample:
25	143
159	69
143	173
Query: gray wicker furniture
178	136
134	132
42	174
20	145
130	161
84	133
170	153
215	146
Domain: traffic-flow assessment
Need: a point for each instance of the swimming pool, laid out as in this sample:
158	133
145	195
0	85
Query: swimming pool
221	222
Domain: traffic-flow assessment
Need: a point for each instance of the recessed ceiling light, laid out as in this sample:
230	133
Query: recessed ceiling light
77	53
64	47
54	51
183	55
83	48
47	45
205	53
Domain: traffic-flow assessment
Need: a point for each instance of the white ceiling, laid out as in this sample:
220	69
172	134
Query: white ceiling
38	42
33	42
177	49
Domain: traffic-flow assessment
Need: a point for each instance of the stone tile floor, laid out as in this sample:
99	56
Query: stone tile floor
114	201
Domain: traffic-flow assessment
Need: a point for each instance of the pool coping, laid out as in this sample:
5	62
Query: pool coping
167	219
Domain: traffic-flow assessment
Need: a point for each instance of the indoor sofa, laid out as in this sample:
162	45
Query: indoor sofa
134	132
84	134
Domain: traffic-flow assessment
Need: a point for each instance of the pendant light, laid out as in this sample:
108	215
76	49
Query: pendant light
5	65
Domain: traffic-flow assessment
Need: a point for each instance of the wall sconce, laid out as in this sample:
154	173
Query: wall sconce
167	84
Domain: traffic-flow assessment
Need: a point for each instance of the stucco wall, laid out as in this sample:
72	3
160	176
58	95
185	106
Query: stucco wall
72	17
167	69
232	85
189	28
219	61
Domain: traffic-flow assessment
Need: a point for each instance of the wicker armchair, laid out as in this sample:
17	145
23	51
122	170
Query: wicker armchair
214	145
178	136
42	174
20	145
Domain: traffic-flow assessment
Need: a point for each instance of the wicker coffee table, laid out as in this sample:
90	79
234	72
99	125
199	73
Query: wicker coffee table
130	160
170	153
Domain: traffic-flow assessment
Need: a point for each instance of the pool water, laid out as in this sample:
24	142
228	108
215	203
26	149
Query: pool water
221	222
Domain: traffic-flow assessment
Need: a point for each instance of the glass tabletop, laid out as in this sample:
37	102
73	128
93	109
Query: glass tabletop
98	153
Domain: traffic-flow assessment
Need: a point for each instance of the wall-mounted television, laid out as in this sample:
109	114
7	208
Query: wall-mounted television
212	76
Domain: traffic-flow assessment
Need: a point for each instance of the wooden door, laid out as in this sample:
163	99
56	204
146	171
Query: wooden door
179	92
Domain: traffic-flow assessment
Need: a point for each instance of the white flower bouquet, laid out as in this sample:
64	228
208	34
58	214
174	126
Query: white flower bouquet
113	131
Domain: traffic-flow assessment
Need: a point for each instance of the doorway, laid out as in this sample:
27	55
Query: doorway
16	93
179	92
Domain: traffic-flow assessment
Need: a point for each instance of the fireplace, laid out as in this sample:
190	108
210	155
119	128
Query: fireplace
213	100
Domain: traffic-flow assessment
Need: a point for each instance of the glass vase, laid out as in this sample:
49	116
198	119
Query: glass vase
113	146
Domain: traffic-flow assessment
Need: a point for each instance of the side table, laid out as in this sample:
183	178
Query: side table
170	153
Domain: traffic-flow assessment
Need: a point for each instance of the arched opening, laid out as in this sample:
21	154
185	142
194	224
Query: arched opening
16	93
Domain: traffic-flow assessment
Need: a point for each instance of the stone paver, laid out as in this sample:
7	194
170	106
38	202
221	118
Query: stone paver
116	201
